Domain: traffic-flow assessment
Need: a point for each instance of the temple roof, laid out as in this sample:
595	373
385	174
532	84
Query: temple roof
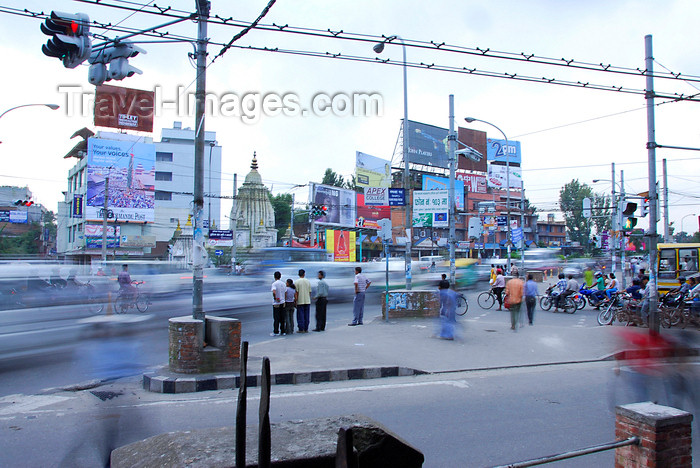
253	176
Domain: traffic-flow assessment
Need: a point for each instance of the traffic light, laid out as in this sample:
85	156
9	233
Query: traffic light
645	208
23	203
117	55
70	37
629	221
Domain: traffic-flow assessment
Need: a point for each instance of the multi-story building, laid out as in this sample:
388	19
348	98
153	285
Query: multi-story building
551	233
79	238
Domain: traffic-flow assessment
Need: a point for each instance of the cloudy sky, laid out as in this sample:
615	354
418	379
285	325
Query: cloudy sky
566	133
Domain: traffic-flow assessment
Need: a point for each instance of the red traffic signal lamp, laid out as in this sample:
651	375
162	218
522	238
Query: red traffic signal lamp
70	37
23	203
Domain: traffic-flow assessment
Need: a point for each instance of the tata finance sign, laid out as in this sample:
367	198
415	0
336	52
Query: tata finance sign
430	208
130	167
124	108
368	216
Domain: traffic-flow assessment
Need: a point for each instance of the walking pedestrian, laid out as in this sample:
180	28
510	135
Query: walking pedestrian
289	304
448	307
278	293
321	302
303	300
358	304
514	293
530	297
498	285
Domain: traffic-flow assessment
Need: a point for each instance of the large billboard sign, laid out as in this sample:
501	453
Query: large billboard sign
130	167
430	208
473	183
474	139
342	245
371	171
93	236
427	144
124	108
368	216
443	183
496	151
498	177
340	203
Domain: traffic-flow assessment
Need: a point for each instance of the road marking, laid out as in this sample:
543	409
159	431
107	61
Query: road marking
25	403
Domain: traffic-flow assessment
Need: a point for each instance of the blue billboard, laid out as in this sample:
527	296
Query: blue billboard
427	144
443	183
496	151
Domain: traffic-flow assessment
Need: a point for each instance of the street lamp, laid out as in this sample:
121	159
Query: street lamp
507	155
683	218
50	106
379	48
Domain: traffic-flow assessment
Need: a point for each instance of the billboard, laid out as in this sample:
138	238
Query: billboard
371	171
473	183
496	151
397	197
498	177
340	203
368	216
377	196
443	183
341	244
130	167
427	144
18	217
220	238
474	139
93	236
430	208
77	206
124	108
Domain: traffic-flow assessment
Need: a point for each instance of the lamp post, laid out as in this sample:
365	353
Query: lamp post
507	155
683	218
378	48
50	106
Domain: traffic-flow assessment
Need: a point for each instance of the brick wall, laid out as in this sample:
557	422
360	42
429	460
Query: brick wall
187	353
413	303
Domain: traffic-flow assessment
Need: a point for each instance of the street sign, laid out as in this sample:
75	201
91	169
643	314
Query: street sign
517	235
218	253
397	197
502	220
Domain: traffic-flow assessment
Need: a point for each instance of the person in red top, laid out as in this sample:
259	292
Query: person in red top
514	295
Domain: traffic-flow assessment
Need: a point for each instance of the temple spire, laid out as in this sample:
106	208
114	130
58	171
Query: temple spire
254	165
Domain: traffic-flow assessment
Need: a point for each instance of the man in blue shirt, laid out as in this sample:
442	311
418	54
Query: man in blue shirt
530	297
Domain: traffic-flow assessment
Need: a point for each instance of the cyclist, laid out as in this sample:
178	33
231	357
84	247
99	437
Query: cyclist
126	288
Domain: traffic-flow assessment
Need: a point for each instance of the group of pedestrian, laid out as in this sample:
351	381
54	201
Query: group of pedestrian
518	291
289	296
286	297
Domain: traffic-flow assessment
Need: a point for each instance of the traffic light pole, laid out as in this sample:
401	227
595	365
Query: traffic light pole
622	235
104	221
198	249
615	224
653	196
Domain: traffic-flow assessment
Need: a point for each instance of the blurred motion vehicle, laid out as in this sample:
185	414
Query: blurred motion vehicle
674	261
538	259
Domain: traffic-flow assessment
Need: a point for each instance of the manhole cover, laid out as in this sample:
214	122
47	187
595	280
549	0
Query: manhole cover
104	396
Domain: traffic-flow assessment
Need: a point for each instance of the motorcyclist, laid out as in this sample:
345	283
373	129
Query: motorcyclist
635	289
570	287
600	285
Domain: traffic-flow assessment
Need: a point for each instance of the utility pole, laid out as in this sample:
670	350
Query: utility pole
452	216
198	249
622	236
522	228
615	224
234	221
312	220
291	224
653	196
667	232
104	221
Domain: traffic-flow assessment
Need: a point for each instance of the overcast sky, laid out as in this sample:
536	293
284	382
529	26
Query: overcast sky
566	133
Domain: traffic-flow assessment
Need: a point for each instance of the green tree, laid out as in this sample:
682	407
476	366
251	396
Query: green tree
571	203
602	212
330	177
282	206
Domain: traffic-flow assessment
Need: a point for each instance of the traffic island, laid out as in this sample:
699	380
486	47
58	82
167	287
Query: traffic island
307	443
411	303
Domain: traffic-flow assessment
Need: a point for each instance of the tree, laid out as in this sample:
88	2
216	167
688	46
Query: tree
282	206
331	178
571	203
602	210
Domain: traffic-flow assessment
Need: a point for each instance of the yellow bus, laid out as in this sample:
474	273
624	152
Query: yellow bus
676	260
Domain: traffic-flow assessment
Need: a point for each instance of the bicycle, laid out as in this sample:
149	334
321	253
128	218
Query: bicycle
137	299
486	299
462	304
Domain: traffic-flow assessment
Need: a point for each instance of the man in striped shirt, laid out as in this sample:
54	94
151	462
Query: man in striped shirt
358	305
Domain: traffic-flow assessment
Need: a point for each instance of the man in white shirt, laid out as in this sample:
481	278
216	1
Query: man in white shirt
358	305
278	290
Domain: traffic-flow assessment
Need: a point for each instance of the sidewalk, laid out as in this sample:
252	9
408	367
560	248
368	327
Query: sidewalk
405	347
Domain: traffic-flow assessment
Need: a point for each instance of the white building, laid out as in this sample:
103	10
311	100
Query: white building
174	186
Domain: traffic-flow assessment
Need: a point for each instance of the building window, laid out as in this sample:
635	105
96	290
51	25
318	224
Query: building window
164	176
174	220
164	157
161	195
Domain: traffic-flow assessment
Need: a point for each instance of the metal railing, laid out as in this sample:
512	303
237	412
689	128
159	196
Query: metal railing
573	453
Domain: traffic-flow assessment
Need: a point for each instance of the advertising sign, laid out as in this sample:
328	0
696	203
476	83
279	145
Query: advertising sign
497	177
368	216
443	183
502	220
124	108
77	206
474	139
430	208
473	183
427	144
130	167
18	217
516	235
371	171
397	197
4	216
221	238
138	241
340	203
93	236
496	151
341	244
377	196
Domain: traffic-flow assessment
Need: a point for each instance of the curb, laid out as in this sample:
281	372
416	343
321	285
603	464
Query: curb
159	383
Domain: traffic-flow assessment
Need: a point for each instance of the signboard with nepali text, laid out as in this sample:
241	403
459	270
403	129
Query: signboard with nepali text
430	208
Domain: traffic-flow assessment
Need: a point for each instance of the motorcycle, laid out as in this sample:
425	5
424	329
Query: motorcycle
594	297
551	297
